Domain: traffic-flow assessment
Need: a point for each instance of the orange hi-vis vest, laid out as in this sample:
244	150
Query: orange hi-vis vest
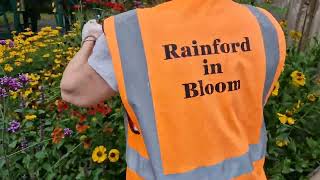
194	76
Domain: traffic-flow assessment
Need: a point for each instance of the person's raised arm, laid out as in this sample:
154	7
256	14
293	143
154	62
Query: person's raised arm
80	84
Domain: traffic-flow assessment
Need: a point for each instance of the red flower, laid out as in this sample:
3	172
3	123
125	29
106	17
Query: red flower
77	7
81	128
118	7
92	1
101	108
75	113
108	4
87	143
62	105
57	135
82	118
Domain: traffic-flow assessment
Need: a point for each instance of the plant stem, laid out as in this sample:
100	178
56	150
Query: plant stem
25	149
4	138
66	155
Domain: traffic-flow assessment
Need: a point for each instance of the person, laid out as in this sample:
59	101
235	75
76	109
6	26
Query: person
193	76
32	13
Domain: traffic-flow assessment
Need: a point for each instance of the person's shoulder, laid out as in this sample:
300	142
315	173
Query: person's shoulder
264	14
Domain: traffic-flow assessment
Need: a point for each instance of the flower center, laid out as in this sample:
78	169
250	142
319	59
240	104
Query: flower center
112	155
99	154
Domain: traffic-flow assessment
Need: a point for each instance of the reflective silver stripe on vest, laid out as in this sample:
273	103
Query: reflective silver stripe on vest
271	46
136	81
133	61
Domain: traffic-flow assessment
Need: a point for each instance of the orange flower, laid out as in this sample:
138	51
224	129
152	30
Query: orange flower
81	117
57	135
61	105
81	128
101	108
75	113
87	143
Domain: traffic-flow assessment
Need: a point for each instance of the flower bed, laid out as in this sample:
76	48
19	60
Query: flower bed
43	136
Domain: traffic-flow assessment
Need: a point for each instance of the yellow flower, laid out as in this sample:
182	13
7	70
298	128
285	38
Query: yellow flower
30	117
29	33
295	35
29	60
57	61
283	118
114	155
27	92
46	55
14	94
57	66
291	121
99	154
46	29
34	83
298	78
312	97
276	87
17	63
297	106
48	73
8	68
282	143
283	24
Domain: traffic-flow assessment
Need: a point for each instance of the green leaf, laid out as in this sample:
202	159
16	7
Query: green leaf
41	111
47	167
26	160
97	173
41	155
13	144
29	124
51	176
2	163
286	166
18	110
292	146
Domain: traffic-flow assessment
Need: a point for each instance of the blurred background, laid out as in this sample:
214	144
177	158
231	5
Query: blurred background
301	17
18	15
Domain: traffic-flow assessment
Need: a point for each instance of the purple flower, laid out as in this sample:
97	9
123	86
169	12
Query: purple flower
11	83
137	3
23	79
11	44
3	92
4	80
24	144
67	132
14	126
3	42
14	84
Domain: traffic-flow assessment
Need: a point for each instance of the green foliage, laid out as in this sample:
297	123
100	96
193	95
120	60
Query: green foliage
302	154
36	152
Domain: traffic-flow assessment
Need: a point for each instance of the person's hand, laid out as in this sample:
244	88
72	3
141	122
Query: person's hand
91	29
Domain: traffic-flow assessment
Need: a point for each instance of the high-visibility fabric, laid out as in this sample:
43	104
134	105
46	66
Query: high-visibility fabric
195	124
130	174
